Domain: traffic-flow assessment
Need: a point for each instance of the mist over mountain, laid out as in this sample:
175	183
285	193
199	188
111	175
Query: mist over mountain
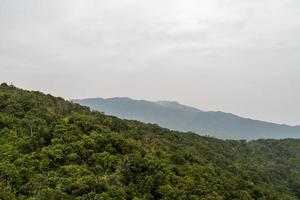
179	117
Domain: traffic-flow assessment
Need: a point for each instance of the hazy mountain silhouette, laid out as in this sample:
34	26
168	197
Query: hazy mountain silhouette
179	117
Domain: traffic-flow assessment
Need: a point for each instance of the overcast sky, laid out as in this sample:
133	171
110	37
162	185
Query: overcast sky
238	56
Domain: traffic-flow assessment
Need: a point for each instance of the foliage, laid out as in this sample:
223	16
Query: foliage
54	149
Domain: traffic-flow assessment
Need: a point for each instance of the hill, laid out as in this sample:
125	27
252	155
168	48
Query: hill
54	149
179	117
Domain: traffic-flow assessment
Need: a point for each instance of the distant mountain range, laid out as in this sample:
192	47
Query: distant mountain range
179	117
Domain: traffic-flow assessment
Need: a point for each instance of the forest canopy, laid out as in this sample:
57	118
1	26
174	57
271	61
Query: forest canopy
54	149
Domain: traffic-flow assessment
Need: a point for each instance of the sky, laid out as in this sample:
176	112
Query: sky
236	56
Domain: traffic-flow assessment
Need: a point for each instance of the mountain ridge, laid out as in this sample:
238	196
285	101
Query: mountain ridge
176	116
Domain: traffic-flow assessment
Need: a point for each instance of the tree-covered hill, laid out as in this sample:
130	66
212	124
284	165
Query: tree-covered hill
54	149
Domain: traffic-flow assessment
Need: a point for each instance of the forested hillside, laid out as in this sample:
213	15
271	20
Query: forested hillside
54	149
179	117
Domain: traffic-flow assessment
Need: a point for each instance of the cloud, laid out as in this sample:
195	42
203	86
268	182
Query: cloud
237	56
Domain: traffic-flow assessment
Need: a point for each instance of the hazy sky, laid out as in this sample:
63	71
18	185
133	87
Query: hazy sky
239	56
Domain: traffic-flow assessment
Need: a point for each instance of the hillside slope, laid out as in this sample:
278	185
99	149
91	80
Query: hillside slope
183	118
54	149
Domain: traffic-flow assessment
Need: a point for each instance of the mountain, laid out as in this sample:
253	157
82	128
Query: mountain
179	117
54	149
